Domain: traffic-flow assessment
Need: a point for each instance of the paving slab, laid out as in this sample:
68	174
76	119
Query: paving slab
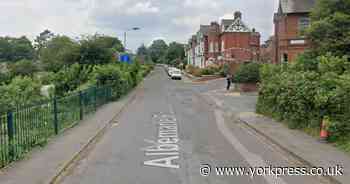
307	148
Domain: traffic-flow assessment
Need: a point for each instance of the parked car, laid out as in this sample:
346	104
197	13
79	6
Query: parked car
176	74
170	70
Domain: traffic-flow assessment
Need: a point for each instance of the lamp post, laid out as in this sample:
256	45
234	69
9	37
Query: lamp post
132	29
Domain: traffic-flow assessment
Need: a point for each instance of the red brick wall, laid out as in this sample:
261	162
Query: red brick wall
286	29
241	46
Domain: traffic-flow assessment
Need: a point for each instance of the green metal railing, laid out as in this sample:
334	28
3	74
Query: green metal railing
23	128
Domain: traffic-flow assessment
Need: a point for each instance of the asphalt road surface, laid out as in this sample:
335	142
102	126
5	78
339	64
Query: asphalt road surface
172	132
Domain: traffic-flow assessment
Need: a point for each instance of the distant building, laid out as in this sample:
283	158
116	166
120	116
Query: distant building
267	51
239	43
232	42
290	21
201	47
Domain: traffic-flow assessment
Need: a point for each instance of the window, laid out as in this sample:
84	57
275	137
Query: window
285	58
223	45
304	23
216	47
211	47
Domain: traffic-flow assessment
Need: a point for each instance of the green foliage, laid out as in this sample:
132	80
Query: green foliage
68	79
224	70
158	50
45	78
247	73
58	52
195	71
109	42
15	49
330	28
302	97
94	51
21	90
175	54
4	78
23	68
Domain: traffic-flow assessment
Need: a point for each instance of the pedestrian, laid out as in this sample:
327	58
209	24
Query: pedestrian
229	79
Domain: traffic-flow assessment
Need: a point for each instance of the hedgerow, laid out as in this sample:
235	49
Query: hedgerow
303	93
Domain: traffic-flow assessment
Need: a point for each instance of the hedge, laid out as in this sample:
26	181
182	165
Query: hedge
303	93
247	73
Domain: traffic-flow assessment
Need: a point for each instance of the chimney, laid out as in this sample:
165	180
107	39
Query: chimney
238	15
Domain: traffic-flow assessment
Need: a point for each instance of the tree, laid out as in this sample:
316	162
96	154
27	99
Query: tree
142	50
15	49
58	52
41	41
175	53
110	42
157	50
330	28
95	50
23	68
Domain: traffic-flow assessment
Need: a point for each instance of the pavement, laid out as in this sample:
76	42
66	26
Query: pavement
43	165
174	132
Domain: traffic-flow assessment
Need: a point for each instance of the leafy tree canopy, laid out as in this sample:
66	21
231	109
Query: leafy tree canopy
330	28
15	49
23	68
175	53
58	52
157	50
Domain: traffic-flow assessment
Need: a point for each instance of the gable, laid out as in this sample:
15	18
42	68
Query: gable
237	26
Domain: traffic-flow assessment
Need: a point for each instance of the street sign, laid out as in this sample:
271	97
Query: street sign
125	58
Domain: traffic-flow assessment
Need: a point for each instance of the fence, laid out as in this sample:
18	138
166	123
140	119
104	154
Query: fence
23	128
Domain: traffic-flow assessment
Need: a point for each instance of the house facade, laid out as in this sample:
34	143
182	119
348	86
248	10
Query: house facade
290	22
231	41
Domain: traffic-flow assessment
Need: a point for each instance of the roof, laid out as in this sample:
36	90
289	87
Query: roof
226	22
296	6
204	29
237	26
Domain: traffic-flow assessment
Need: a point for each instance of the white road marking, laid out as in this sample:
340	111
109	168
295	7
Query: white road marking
253	159
166	145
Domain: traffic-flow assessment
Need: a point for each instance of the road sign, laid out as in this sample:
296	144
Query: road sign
125	58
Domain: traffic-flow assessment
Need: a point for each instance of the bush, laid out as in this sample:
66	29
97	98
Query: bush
247	73
193	70
23	67
68	79
302	96
21	90
211	70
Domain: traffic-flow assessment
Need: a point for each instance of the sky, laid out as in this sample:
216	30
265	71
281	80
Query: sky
171	20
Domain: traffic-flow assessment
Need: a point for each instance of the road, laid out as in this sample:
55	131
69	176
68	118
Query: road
173	128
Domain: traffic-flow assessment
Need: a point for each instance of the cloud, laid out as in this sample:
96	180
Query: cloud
171	19
141	8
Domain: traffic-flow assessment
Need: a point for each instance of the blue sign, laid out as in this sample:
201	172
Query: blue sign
125	58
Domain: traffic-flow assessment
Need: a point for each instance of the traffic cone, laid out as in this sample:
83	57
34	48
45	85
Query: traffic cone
324	133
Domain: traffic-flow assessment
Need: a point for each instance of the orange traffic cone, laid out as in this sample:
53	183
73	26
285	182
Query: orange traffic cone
324	132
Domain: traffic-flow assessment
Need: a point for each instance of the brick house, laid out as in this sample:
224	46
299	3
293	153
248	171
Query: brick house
214	43
230	42
239	43
291	19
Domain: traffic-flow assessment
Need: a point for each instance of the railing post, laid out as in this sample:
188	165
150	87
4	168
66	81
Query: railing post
55	115
81	105
10	133
95	97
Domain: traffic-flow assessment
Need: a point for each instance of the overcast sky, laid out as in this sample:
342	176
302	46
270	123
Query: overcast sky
172	20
